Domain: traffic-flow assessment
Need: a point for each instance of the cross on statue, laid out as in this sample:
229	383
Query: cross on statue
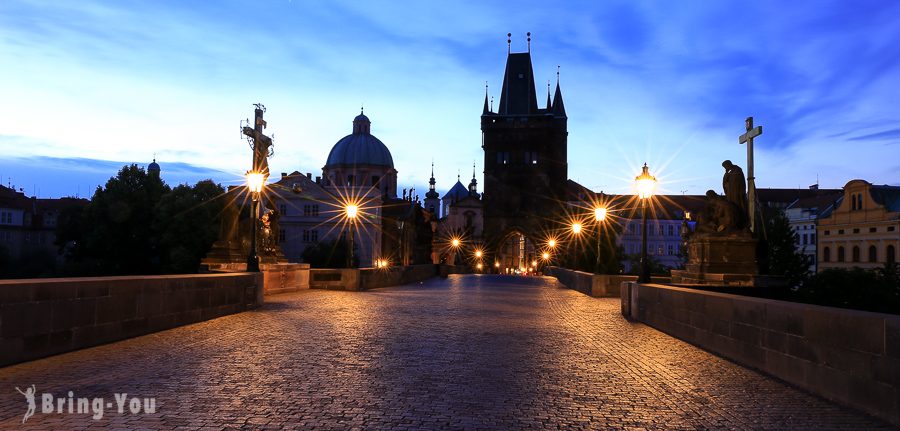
260	143
747	138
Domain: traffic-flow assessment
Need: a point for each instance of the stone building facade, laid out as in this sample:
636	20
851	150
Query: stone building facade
863	229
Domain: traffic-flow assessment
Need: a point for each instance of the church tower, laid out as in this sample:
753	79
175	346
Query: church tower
432	198
525	167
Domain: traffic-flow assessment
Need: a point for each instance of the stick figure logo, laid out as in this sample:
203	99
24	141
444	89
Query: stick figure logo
29	398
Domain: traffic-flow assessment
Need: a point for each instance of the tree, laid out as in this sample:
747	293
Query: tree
783	258
656	267
186	223
117	224
872	290
581	252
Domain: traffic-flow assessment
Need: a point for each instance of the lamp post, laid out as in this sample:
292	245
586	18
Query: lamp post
401	242
645	184
455	244
255	182
599	217
351	210
573	260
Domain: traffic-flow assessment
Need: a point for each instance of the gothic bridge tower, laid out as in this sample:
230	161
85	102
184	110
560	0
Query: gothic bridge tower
525	167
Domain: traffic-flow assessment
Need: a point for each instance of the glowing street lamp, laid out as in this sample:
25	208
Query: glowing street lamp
255	183
351	211
454	243
551	243
479	253
545	256
645	184
576	228
599	217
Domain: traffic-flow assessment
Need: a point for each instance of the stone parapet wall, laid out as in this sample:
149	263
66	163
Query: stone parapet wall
43	317
596	285
372	278
849	356
369	278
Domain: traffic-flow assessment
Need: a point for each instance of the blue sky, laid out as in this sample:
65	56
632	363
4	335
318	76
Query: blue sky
89	85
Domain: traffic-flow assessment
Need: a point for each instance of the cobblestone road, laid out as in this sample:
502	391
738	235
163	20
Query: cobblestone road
468	352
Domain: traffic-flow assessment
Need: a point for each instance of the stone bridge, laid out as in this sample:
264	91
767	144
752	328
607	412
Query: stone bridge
465	352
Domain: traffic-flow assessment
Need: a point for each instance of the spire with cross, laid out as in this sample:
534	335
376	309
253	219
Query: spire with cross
747	138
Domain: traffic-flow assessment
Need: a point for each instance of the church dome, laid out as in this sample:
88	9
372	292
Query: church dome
153	166
360	147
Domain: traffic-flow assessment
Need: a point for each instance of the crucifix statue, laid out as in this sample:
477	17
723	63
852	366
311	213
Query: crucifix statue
747	138
260	143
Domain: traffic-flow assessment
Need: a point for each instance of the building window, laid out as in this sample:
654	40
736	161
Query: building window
873	254
659	250
631	228
826	254
375	179
282	234
812	238
531	157
311	210
827	232
840	254
890	228
890	254
282	208
305	235
314	236
5	217
856	230
853	203
855	254
840	231
502	157
671	250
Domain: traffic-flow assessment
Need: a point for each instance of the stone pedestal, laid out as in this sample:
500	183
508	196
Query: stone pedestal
720	260
285	277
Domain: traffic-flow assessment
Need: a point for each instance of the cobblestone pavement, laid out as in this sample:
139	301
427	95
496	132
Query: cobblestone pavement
468	352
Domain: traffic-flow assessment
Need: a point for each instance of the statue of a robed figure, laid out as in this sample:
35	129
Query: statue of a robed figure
721	248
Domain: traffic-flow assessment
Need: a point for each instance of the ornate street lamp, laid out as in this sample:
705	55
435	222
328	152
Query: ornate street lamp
645	184
576	228
454	242
599	217
255	183
351	211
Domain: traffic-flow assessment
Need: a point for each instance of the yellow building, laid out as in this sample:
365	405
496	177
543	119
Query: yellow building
863	230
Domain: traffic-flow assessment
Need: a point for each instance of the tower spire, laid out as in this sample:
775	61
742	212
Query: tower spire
529	42
473	185
548	95
485	110
508	43
559	109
